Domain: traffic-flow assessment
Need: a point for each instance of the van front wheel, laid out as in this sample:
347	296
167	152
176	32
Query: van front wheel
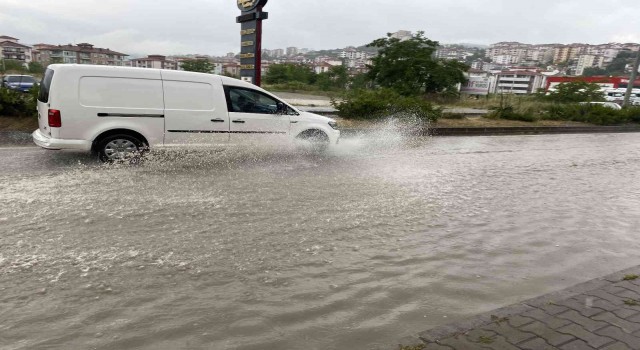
317	140
118	148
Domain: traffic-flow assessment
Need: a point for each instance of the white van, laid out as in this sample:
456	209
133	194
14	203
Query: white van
119	111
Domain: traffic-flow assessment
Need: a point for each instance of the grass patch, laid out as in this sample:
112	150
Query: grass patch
413	347
631	302
27	124
485	340
630	277
498	320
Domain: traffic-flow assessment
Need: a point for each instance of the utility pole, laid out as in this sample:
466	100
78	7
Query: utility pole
632	79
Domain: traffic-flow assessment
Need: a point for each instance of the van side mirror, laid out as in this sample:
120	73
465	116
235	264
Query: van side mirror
281	108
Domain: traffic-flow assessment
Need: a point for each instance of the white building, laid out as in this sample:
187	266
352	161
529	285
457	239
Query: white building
155	61
505	59
352	54
322	67
519	82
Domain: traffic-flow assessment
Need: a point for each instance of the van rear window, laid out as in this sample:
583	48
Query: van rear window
45	86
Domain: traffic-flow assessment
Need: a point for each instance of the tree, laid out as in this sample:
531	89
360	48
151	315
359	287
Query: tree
359	81
336	78
579	91
288	73
619	64
11	65
594	71
36	68
410	68
202	66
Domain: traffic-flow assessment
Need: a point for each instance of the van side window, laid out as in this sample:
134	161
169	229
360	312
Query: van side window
243	100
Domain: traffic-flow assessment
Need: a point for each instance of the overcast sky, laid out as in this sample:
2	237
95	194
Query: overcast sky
139	27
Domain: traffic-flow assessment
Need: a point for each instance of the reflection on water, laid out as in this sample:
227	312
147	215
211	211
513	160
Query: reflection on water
277	248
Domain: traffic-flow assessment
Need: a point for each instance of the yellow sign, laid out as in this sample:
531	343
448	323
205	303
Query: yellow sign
247	43
247	66
247	55
247	5
247	32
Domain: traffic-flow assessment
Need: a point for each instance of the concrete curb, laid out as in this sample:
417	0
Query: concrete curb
15	138
534	130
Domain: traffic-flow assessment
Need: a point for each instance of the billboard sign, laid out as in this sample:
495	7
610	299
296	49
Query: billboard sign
251	39
476	86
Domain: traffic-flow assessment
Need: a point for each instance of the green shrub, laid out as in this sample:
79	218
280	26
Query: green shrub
579	91
292	86
383	103
591	113
509	113
18	104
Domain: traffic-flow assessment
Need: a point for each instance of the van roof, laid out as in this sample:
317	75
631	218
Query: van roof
144	72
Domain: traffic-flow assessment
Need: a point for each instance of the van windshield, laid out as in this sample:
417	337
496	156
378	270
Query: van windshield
45	85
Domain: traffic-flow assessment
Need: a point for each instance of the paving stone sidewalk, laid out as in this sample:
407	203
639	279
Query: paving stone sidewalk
600	314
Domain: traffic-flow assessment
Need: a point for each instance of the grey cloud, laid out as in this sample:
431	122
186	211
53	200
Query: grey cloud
208	26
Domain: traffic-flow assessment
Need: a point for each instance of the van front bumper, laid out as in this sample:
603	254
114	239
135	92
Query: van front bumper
47	142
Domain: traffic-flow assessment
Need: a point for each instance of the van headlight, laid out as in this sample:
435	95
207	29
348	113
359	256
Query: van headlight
334	125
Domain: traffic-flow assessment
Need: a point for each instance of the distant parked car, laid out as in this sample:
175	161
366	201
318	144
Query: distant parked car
22	83
611	105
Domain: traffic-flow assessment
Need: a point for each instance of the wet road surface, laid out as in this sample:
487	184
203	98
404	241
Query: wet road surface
280	249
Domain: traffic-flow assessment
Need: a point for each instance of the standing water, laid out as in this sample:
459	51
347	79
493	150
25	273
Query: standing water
278	249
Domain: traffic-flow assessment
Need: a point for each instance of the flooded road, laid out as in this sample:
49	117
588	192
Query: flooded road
277	249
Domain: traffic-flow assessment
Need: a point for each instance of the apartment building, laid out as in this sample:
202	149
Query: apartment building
519	82
588	61
455	52
292	51
517	51
277	53
506	59
83	53
568	52
155	61
352	54
11	49
539	54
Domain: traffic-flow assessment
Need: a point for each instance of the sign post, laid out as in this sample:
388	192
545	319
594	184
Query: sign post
251	39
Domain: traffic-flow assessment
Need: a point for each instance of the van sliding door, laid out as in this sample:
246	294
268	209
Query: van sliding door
195	111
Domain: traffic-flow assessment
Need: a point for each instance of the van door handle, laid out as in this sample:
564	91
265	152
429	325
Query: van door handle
238	121
217	120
